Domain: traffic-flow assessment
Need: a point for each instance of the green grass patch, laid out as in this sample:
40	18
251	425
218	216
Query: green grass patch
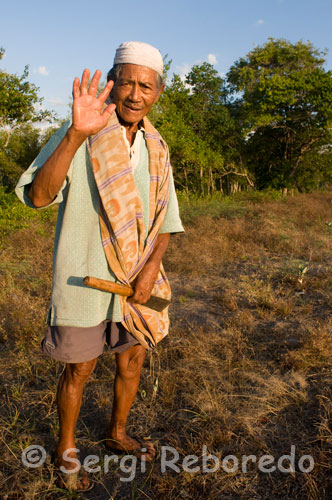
219	205
15	215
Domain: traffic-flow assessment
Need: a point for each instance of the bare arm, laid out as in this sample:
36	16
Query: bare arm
87	119
147	277
49	179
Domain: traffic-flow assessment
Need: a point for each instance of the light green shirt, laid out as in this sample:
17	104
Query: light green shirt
78	249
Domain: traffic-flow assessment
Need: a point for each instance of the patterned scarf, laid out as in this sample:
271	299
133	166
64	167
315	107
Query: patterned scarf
122	224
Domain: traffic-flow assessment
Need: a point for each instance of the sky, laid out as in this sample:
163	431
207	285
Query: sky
59	39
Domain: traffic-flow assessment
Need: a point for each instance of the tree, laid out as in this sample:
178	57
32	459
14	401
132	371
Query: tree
195	120
23	146
284	98
18	101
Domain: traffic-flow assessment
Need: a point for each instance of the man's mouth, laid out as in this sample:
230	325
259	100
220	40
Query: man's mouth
132	108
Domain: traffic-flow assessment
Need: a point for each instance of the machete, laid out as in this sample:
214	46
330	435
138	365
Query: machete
156	303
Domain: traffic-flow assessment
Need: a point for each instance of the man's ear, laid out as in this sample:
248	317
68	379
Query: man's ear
161	90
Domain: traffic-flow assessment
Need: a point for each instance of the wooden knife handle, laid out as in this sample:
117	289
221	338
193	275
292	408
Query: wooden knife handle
108	286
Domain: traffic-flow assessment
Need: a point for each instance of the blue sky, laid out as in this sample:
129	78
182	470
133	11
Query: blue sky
58	40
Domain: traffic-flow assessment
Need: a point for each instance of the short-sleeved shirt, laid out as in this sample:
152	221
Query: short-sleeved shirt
78	249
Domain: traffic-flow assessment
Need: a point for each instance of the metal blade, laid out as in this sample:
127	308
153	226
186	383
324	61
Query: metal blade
157	303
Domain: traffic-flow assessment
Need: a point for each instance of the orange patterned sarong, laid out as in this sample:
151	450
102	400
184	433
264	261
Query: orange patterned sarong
122	224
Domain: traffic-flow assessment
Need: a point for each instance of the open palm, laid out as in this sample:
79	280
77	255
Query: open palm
88	114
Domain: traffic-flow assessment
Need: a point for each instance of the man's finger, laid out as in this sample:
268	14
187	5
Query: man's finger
134	298
140	301
103	95
85	81
107	113
137	298
109	110
140	297
94	83
76	87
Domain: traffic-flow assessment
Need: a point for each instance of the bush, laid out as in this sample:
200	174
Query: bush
14	215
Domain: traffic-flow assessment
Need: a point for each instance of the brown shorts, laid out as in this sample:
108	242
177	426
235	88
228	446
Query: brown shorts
72	344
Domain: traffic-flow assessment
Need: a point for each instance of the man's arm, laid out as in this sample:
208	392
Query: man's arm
50	177
147	277
87	120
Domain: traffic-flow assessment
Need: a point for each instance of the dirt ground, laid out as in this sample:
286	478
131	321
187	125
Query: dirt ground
245	371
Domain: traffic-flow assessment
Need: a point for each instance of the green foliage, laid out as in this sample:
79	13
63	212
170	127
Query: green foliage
285	106
9	172
14	215
19	141
220	205
24	144
268	124
193	117
18	101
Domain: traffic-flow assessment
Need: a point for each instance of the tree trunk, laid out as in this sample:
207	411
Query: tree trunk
7	132
202	180
186	179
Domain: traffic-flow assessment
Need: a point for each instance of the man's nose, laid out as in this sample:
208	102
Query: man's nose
135	92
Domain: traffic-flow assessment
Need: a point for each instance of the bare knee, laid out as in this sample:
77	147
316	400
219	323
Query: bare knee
129	363
78	373
136	359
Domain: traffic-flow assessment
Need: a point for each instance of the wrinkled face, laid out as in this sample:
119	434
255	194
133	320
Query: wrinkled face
134	93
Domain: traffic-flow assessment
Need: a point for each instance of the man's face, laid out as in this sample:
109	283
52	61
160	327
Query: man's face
134	93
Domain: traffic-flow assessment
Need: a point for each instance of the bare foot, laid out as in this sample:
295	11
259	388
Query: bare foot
73	481
61	452
131	445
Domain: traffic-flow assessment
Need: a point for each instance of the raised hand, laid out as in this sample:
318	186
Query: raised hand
88	117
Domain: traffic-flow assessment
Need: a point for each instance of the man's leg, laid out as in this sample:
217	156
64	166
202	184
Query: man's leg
69	398
127	377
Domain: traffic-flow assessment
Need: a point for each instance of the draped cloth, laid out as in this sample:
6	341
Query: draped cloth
123	233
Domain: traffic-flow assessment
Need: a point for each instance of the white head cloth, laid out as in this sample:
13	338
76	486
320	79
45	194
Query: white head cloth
139	53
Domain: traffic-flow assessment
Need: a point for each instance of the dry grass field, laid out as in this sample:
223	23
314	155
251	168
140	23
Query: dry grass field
246	369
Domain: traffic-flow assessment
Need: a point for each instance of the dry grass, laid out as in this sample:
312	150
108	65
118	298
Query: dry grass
246	369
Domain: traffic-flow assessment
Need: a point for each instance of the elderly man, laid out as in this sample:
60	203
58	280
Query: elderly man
109	171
